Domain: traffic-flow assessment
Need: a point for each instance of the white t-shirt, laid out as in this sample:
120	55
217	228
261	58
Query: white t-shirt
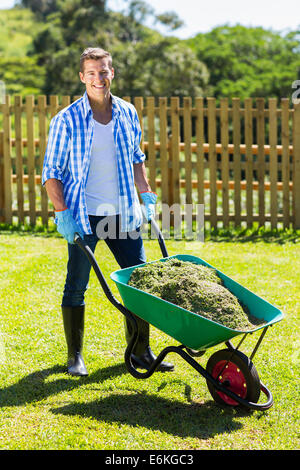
102	190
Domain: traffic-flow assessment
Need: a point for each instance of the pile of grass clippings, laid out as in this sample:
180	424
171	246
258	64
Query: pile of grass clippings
193	287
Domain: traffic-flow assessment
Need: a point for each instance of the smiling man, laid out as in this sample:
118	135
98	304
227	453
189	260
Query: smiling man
92	163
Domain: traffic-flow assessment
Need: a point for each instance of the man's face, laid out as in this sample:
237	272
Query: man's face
97	77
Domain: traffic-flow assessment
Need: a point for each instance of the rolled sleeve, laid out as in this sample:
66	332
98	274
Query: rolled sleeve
57	151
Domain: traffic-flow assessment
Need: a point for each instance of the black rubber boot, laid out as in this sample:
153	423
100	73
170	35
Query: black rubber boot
142	355
73	318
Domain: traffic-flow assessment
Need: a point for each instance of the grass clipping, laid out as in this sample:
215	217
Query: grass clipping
193	287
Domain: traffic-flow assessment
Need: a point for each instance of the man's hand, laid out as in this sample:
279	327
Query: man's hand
149	199
67	226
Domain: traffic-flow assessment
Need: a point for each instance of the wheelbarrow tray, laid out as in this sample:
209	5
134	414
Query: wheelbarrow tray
192	330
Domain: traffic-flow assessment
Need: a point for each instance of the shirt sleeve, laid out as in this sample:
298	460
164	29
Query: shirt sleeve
57	151
138	156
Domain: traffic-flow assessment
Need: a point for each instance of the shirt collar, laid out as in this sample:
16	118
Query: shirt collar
87	107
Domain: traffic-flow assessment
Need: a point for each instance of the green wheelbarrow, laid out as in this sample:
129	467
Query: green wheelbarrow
231	376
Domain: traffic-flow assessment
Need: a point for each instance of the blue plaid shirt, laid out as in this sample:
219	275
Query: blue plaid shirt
68	154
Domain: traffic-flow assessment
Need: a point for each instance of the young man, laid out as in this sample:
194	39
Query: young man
92	163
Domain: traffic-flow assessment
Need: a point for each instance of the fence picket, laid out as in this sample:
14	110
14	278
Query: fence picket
175	148
273	160
187	103
199	148
296	167
225	160
42	115
212	158
19	158
285	161
151	142
163	137
31	158
260	129
139	106
249	161
7	165
237	160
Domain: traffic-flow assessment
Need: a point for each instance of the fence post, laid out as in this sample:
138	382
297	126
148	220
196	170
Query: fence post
212	160
296	169
260	126
237	160
163	138
175	149
248	124
7	168
170	178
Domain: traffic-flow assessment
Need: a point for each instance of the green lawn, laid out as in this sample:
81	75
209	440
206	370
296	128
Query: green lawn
43	408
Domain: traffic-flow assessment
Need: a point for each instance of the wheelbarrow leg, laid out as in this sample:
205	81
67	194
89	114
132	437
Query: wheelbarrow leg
142	356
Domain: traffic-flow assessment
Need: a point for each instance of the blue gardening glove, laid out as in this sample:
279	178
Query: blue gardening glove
67	226
149	199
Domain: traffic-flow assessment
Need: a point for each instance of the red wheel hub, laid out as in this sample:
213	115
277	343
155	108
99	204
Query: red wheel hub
228	374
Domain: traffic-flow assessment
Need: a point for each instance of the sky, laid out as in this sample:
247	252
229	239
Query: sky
201	16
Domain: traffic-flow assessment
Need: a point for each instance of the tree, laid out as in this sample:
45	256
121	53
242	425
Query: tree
164	68
41	8
21	76
146	63
247	62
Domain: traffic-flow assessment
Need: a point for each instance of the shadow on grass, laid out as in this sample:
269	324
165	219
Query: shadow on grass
201	420
35	387
153	412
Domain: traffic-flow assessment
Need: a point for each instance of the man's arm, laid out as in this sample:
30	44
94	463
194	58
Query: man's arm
55	192
66	224
148	197
140	177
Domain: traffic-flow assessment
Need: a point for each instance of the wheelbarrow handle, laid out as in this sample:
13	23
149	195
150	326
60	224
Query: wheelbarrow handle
160	238
90	255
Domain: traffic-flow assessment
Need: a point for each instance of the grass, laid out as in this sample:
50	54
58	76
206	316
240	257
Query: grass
43	408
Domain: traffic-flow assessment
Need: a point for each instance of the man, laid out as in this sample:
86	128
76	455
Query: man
92	163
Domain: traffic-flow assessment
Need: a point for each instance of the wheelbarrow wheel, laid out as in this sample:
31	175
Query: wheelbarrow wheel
235	371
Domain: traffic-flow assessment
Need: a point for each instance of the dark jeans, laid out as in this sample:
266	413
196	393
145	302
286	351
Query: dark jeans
128	251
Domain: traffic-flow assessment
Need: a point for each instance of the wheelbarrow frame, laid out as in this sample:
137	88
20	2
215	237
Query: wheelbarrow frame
186	353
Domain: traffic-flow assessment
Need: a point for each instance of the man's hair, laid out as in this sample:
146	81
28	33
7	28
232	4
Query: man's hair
94	53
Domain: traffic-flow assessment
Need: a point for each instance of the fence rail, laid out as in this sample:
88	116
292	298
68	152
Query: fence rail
241	160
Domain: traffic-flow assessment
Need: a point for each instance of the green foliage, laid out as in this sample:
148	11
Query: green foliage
41	8
138	51
140	71
16	29
249	62
225	62
21	75
18	66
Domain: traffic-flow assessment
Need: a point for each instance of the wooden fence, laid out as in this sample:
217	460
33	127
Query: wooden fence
241	160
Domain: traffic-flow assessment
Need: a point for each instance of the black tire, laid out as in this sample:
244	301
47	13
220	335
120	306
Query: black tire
235	371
